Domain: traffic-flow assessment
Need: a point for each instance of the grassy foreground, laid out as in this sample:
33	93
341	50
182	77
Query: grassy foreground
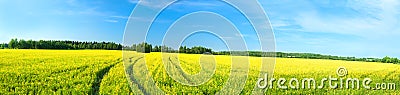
102	72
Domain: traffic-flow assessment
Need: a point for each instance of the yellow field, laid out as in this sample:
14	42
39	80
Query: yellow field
54	71
184	80
102	72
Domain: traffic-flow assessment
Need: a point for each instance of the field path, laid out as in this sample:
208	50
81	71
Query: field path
181	72
100	75
130	71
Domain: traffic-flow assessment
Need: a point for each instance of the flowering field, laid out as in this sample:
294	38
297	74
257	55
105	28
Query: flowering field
103	72
54	71
190	79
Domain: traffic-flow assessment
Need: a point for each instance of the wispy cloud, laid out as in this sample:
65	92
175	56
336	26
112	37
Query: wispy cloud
241	35
86	11
75	7
204	3
227	37
151	3
120	17
72	2
161	3
373	20
133	1
364	19
112	21
348	27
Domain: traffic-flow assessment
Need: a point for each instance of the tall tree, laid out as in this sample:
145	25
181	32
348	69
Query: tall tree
181	49
386	59
13	43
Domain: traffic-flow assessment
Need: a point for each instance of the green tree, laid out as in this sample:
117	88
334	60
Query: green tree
13	44
23	44
186	50
134	47
394	60
181	50
144	47
157	49
30	44
386	59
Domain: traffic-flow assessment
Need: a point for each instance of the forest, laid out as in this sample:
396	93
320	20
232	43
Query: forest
147	48
56	44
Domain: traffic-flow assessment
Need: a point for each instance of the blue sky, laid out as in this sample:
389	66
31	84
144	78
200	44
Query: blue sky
336	27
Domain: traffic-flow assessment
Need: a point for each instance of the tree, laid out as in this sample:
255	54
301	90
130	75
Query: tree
165	48
134	47
23	44
386	59
181	50
198	50
30	44
394	60
186	50
13	43
157	49
148	48
2	46
144	47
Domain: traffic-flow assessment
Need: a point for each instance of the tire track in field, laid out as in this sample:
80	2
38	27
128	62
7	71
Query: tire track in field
181	72
132	77
155	72
99	77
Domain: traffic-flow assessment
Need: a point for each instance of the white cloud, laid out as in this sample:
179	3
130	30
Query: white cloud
112	21
83	11
351	28
376	19
120	17
190	3
241	35
228	38
71	2
133	1
151	3
161	3
312	22
75	7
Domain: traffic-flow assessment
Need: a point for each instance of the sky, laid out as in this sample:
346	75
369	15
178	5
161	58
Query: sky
335	27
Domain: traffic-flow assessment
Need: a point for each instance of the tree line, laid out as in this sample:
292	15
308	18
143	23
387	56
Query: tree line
387	59
3	46
195	50
147	48
56	44
306	56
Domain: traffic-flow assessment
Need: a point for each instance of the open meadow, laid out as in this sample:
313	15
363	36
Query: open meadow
102	72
